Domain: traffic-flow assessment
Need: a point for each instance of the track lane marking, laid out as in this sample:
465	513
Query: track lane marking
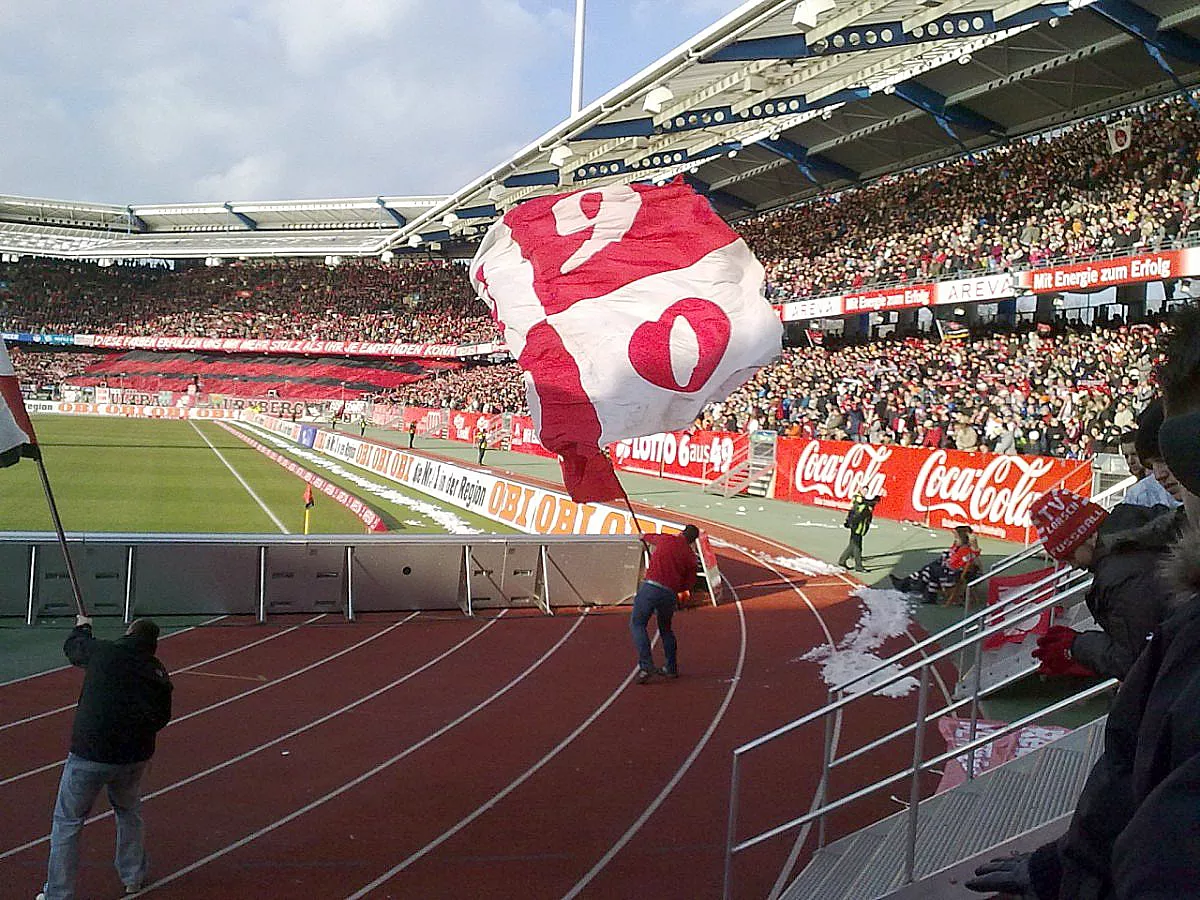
254	750
412	748
188	668
228	700
33	675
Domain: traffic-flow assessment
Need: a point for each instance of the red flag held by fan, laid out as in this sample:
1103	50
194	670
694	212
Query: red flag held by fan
629	307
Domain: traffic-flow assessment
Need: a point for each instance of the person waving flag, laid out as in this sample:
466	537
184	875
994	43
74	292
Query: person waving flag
629	307
309	503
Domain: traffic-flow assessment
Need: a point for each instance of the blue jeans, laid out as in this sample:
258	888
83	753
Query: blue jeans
654	599
81	782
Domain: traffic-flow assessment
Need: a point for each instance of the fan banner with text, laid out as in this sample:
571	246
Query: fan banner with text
628	307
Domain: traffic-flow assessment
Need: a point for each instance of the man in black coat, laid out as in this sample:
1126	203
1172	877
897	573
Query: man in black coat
1127	597
1134	831
124	703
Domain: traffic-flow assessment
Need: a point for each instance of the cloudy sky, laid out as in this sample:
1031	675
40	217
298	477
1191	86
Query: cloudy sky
150	101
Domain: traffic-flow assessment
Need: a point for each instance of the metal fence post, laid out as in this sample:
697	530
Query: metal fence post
727	889
914	791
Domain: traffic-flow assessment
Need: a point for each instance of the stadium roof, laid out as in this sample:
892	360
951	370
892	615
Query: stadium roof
781	100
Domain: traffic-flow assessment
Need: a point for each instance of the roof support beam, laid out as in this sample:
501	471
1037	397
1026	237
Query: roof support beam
241	217
703	187
136	222
391	213
1144	25
532	179
947	115
807	163
487	211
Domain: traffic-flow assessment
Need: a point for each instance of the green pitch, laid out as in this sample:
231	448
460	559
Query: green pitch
138	475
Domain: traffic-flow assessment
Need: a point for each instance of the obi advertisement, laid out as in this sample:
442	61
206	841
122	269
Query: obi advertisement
938	488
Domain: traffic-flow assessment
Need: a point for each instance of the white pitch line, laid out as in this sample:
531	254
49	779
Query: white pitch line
241	480
195	665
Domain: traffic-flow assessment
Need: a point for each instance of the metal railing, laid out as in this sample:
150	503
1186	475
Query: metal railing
1031	600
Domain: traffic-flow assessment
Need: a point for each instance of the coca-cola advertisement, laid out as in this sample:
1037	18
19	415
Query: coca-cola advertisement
938	488
693	456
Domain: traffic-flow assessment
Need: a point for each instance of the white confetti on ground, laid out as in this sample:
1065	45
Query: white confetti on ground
452	523
817	525
885	615
806	565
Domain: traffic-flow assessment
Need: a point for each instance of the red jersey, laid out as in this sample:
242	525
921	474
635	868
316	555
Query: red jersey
672	562
962	557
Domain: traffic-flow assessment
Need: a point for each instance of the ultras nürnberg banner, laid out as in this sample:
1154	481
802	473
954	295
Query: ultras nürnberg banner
939	488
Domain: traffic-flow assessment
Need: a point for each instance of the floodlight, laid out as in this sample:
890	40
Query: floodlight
449	219
964	59
495	192
560	155
414	240
808	11
657	99
386	256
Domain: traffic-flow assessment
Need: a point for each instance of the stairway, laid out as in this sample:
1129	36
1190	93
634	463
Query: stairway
982	813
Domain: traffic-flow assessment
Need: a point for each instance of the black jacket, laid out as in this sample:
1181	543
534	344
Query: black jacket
1134	830
125	700
1128	597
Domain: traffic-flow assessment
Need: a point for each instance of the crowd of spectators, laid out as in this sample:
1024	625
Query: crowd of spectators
1062	195
1057	195
422	301
1069	394
39	370
483	388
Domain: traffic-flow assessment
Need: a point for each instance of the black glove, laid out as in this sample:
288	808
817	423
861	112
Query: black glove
1007	875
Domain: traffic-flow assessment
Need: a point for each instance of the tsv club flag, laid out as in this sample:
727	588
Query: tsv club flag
629	307
16	431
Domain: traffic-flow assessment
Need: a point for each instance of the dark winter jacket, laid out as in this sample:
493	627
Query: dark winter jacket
125	701
858	519
1127	598
1134	830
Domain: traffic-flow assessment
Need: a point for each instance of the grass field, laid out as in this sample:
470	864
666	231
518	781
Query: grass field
138	475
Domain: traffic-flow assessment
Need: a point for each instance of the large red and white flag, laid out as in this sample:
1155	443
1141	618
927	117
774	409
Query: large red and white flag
629	307
16	431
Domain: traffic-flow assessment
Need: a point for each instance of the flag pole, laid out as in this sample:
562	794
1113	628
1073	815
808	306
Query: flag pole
629	506
306	512
62	537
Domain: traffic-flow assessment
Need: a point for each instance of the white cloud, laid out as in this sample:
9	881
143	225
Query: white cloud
131	101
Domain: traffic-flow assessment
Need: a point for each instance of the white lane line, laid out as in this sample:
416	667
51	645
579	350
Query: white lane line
30	677
679	773
203	662
228	700
802	836
241	480
387	763
313	724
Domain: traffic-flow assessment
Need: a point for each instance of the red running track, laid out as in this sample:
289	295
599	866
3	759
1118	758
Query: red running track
439	756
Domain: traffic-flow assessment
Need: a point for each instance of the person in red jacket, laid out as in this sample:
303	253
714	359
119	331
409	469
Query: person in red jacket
672	571
943	572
